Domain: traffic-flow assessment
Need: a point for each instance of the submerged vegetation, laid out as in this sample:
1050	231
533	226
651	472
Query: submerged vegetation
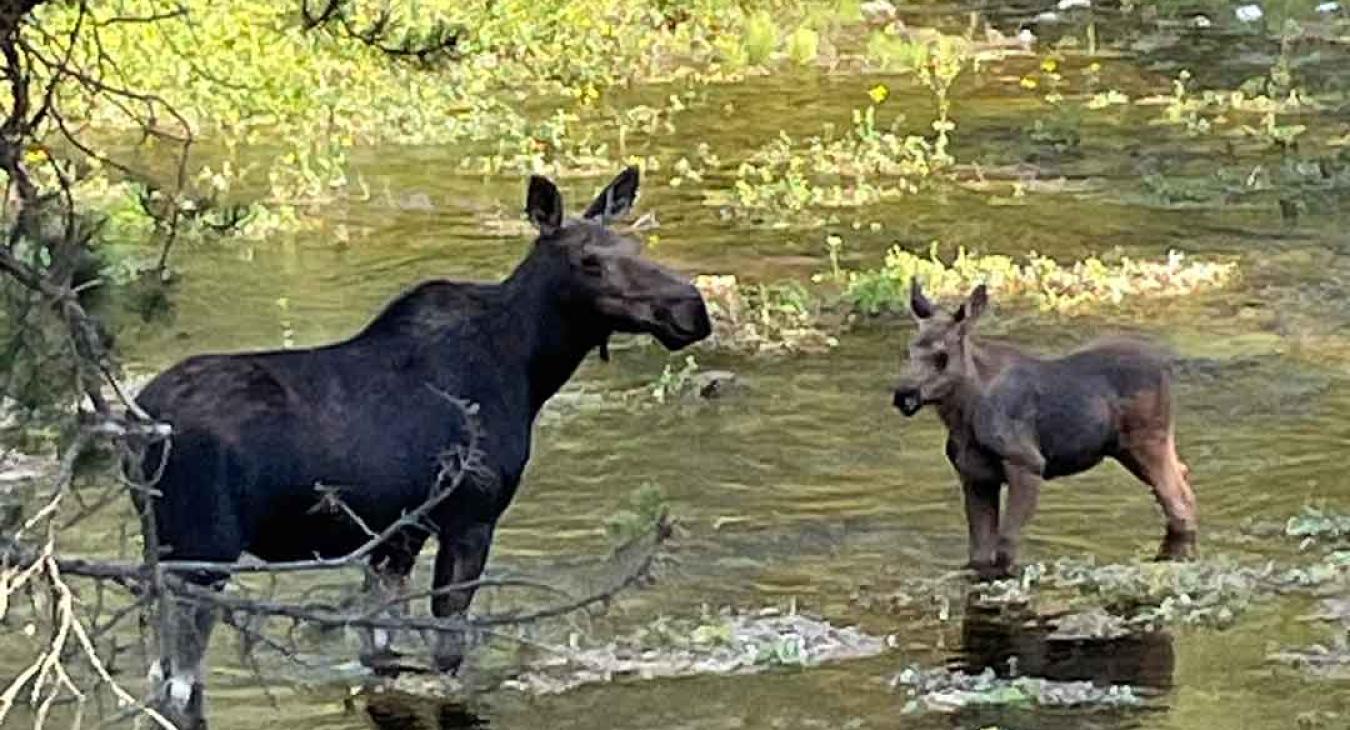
943	690
721	642
1319	525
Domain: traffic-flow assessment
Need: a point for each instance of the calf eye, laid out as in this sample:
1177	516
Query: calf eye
940	361
591	265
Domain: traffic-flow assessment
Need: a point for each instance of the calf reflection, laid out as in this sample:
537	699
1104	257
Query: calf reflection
403	712
1023	643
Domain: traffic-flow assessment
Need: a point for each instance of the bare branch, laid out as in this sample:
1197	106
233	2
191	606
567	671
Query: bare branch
440	40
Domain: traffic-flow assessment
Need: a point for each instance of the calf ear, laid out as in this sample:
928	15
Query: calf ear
973	307
918	303
544	205
616	199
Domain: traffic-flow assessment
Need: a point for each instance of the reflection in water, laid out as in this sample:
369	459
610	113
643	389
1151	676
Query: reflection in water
1003	641
401	712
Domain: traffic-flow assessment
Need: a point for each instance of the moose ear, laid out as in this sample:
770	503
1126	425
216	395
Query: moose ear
544	205
616	199
918	303
973	307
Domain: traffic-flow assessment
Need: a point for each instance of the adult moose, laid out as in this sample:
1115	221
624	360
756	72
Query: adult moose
1017	419
369	417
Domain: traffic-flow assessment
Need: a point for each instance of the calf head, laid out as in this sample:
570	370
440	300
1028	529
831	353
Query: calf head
603	272
939	354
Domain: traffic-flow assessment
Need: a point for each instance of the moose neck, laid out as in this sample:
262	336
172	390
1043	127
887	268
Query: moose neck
981	367
556	337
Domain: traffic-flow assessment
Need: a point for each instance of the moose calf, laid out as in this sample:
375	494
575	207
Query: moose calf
1018	419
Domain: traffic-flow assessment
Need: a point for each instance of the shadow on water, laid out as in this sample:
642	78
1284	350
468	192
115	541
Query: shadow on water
403	712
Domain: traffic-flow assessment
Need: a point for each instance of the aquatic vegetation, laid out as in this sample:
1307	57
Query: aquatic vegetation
1087	600
1325	661
647	509
726	642
943	690
250	77
1044	282
705	162
1269	96
861	167
1318	524
763	318
723	642
1151	595
868	163
674	383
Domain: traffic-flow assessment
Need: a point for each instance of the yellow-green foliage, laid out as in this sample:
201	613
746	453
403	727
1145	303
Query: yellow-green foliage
1084	284
803	45
860	167
761	37
251	79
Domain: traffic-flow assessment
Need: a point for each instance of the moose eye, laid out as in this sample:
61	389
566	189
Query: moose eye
940	361
591	264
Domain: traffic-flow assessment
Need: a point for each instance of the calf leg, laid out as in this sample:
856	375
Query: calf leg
1024	490
981	522
176	678
460	559
1156	464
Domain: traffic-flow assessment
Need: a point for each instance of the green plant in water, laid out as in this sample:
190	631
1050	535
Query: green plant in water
943	690
1185	109
675	383
803	46
286	105
1060	129
867	164
1314	524
764	318
1049	285
936	60
647	510
761	37
786	650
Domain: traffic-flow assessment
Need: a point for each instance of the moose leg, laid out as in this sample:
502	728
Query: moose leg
460	559
385	582
982	522
1024	490
1156	464
176	678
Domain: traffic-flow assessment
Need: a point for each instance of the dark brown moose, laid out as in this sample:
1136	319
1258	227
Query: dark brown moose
1019	420
373	417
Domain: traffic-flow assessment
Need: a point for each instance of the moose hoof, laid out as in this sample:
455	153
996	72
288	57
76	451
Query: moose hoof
383	662
1178	546
180	702
990	571
448	655
448	663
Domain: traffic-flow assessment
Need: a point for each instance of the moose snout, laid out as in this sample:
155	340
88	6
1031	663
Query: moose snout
693	317
908	399
685	321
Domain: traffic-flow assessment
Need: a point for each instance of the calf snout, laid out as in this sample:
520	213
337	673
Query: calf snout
907	399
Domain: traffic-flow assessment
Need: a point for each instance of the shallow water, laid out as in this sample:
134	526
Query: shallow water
809	485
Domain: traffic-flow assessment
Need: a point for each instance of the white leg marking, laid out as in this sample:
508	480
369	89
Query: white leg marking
180	690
